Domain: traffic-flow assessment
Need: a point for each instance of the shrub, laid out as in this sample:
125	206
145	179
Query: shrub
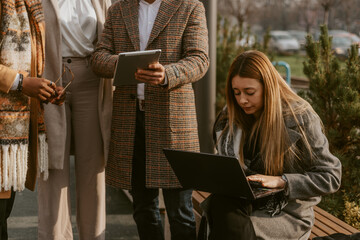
334	93
352	212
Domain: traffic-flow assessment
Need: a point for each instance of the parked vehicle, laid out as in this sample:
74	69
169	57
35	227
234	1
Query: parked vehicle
337	31
246	41
342	41
340	45
283	43
353	37
300	36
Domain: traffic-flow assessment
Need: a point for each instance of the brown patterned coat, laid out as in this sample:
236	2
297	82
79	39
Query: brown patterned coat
170	119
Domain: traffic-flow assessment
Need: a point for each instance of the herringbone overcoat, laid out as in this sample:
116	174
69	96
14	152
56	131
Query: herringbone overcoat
170	119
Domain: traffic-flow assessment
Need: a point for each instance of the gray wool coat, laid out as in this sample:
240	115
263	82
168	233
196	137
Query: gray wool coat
306	184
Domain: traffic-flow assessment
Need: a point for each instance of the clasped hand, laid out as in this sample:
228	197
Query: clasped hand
267	181
44	90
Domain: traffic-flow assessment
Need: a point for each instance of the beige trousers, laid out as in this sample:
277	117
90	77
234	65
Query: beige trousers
83	128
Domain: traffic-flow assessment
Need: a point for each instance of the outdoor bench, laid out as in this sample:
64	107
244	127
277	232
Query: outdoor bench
325	223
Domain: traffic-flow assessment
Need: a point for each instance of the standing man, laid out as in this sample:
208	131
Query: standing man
160	112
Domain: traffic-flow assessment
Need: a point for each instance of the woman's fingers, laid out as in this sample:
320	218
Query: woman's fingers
268	181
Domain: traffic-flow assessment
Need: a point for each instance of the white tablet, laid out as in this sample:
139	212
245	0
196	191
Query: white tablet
129	62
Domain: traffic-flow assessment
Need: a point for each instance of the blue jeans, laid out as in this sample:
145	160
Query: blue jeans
178	202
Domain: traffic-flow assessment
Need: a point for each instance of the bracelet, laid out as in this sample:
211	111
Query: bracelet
286	187
283	177
20	85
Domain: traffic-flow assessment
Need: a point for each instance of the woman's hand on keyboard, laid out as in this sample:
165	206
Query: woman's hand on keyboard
267	181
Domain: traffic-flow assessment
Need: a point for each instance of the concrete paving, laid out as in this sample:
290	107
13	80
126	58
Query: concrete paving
120	225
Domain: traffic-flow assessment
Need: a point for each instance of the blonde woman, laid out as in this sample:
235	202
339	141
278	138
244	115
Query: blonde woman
278	139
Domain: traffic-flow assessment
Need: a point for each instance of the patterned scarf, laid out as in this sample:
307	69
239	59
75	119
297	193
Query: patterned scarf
22	49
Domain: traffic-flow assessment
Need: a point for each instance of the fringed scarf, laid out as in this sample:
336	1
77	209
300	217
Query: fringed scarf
21	48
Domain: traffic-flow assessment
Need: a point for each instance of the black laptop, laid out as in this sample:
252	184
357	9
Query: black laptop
214	174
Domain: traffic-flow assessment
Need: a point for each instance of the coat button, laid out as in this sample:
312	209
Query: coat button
132	96
69	60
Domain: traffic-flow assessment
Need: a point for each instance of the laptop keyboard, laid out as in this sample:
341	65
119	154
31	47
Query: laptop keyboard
261	190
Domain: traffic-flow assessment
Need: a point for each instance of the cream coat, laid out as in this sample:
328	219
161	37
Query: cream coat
55	118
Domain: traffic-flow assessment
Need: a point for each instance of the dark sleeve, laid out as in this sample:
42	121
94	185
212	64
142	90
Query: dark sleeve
220	123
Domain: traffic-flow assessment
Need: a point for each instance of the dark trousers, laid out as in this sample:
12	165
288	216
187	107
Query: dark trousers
5	210
178	202
229	218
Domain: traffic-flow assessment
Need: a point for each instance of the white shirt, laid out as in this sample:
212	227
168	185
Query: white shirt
78	25
78	29
147	16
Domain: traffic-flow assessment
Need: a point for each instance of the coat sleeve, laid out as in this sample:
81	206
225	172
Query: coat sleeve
7	78
195	61
103	60
323	176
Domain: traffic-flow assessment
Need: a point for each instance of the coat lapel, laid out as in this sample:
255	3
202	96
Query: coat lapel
55	5
166	11
130	14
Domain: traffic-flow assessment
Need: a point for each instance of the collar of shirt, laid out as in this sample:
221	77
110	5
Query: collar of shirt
156	2
147	16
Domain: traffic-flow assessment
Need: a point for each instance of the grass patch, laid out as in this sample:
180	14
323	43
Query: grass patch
295	62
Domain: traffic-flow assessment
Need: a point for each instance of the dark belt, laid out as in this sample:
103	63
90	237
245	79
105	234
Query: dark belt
141	104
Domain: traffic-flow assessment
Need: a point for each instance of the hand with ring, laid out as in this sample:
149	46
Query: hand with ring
39	88
58	97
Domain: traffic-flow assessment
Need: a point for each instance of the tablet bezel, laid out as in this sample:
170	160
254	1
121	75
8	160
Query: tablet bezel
128	62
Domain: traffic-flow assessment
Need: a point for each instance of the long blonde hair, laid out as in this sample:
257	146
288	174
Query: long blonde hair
269	130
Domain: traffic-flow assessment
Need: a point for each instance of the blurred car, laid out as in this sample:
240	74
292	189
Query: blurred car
342	41
283	43
355	39
317	33
246	41
300	36
337	31
340	45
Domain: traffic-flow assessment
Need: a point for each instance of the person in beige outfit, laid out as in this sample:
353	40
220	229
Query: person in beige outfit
82	124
